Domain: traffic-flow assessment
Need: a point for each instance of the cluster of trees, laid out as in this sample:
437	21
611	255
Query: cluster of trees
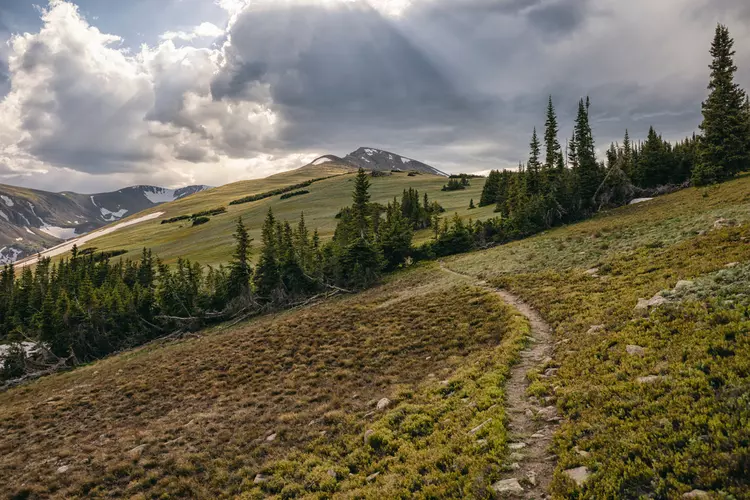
457	183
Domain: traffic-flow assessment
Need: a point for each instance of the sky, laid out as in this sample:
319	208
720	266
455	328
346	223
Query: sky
96	95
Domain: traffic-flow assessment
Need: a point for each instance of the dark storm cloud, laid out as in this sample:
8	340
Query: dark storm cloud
558	18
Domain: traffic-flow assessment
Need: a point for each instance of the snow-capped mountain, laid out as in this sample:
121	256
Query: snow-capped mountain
32	220
380	160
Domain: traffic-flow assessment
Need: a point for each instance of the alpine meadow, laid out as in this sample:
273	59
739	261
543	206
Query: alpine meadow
366	326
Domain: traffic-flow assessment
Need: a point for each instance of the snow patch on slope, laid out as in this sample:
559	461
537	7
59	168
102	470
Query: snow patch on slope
321	161
7	200
110	216
9	255
4	216
159	195
68	245
62	233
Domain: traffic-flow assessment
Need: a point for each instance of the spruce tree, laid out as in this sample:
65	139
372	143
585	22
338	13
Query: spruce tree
361	199
240	270
267	274
723	149
533	175
552	145
627	155
491	189
589	174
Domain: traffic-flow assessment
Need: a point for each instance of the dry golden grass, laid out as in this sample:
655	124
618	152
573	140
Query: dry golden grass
191	419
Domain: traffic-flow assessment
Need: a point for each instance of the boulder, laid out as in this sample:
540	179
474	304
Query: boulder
684	284
372	477
272	437
63	469
550	372
508	487
648	380
594	271
732	265
596	329
479	427
696	494
136	452
368	433
635	350
383	404
579	475
260	479
722	223
531	477
516	446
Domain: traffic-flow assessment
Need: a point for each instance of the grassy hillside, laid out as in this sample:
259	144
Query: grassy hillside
282	405
212	243
655	400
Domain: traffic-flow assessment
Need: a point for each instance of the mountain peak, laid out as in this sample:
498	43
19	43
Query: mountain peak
382	160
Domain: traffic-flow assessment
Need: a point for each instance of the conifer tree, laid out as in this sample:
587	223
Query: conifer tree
267	274
627	155
240	269
551	143
588	173
533	174
361	199
723	149
491	189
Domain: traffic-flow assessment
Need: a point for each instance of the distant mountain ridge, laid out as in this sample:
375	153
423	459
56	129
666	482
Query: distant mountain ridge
32	220
379	160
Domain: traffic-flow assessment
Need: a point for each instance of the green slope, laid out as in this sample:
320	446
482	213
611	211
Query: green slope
212	243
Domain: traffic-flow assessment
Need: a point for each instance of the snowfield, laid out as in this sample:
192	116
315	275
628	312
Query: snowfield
68	245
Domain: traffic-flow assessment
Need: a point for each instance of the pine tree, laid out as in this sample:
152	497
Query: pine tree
627	155
533	177
361	199
491	189
471	204
723	149
267	274
240	269
588	172
551	143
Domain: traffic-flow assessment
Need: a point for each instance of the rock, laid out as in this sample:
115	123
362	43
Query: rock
583	453
722	223
548	413
332	473
655	301
368	433
593	271
63	469
383	404
516	446
732	265
372	477
272	437
529	413
531	477
596	329
550	372
508	486
635	350
696	494
516	456
547	360
136	452
514	466
580	475
260	479
538	435
482	442
639	200
479	427
648	380
684	284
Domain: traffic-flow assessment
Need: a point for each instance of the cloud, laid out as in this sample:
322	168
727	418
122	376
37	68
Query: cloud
204	30
456	84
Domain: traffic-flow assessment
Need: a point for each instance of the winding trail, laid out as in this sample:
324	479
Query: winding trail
532	423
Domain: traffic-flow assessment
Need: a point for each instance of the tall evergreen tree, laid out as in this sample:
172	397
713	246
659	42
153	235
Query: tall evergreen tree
361	199
534	167
588	172
240	269
267	274
723	148
551	143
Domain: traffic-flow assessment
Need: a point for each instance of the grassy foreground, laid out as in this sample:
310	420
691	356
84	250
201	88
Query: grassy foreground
657	400
283	406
